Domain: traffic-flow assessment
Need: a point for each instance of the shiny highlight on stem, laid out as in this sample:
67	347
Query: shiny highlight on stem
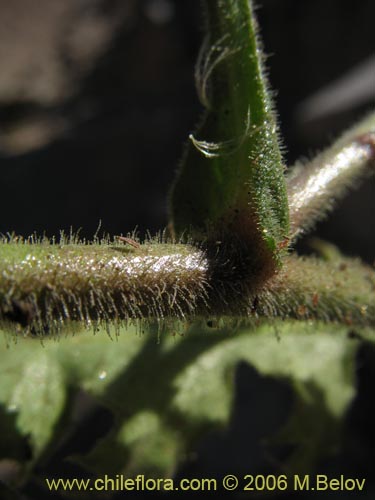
314	188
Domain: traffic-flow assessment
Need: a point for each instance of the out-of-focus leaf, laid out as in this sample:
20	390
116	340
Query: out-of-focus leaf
32	387
165	395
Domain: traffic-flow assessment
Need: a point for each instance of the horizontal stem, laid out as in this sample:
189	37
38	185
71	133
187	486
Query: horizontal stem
48	284
43	286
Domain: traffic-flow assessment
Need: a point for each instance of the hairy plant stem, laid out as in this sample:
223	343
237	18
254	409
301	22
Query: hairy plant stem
314	188
231	179
43	286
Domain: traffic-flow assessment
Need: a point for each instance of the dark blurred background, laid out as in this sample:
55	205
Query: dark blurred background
97	98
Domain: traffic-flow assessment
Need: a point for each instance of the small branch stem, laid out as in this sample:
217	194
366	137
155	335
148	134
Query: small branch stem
314	188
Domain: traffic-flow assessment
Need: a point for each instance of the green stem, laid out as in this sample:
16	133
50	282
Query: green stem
231	179
43	286
313	189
